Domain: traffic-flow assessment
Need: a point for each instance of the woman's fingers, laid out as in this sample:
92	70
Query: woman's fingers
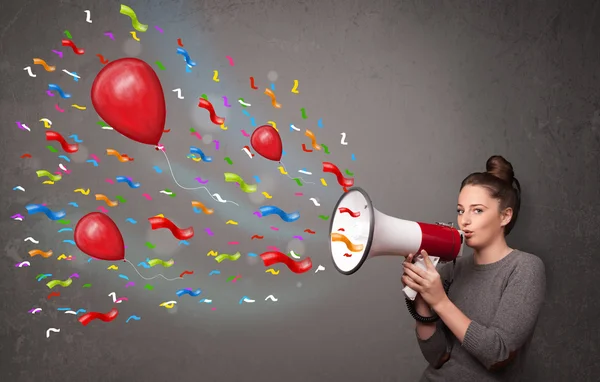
416	269
415	277
411	284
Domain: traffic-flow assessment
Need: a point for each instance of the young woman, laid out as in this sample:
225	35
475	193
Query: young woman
481	328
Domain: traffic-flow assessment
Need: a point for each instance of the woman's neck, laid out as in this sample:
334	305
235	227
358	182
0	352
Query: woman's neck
492	253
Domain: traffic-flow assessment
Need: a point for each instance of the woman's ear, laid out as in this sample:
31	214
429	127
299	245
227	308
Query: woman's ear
506	216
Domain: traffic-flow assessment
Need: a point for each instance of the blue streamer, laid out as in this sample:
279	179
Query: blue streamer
195	293
195	150
286	217
186	56
57	89
33	209
124	179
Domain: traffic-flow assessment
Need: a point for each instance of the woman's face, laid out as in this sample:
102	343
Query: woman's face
479	216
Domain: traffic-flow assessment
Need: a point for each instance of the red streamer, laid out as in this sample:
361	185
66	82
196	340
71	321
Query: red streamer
214	118
70	43
67	147
349	212
178	233
302	266
106	317
344	182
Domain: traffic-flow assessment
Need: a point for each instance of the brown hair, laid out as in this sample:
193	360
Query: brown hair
500	181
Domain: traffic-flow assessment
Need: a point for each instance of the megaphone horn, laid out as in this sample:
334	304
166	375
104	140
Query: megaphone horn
360	232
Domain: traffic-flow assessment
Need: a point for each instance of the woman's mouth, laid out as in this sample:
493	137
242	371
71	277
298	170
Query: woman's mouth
468	234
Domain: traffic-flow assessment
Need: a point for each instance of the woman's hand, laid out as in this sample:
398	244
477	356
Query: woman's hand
428	283
408	260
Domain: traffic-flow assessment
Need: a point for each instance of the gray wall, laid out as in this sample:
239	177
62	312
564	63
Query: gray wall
425	94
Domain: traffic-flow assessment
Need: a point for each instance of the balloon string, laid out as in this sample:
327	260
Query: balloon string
288	175
150	278
218	197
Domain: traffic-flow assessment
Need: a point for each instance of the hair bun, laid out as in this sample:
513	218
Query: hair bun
501	168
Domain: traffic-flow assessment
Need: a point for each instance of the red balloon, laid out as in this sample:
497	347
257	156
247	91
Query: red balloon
128	96
98	236
267	142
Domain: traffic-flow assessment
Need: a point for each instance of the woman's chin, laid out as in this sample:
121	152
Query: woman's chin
471	243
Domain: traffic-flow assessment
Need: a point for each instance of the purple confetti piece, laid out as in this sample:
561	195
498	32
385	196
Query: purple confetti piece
158	29
216	144
258	214
209	232
74	275
60	54
131	283
201	181
20	125
49	93
17	216
110	35
298	237
225	102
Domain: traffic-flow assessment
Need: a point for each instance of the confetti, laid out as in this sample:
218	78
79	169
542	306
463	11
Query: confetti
48	68
178	233
186	57
51	330
343	141
247	188
225	256
125	10
273	210
196	204
108	317
274	102
70	43
295	88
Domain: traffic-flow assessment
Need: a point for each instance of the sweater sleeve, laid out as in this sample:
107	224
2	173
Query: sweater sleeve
515	319
434	347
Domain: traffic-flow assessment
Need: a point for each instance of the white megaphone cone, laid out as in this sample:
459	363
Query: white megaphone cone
360	232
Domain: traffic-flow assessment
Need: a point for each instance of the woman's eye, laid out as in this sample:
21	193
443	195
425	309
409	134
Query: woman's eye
478	210
459	212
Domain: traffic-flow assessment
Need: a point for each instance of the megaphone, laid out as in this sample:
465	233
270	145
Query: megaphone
359	232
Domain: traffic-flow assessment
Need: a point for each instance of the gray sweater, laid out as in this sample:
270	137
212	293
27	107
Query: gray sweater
503	300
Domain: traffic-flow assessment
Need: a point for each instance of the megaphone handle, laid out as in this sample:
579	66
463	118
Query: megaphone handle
410	293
